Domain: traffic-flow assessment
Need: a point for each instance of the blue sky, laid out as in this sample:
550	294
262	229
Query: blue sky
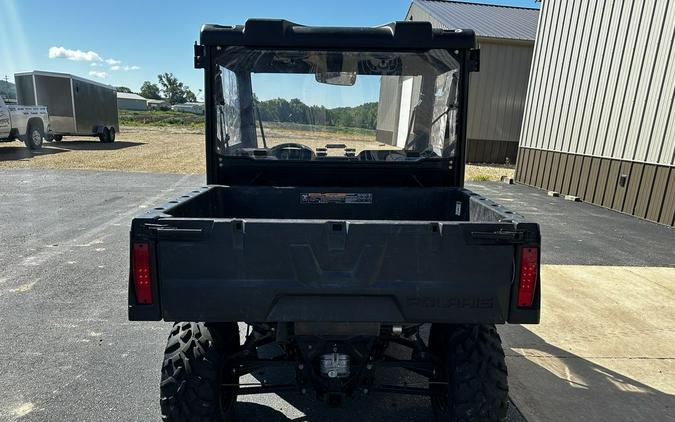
130	41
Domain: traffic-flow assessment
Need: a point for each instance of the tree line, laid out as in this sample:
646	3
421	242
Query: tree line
295	111
7	90
168	88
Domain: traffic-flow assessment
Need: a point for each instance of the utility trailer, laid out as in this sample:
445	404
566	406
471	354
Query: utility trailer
331	245
77	106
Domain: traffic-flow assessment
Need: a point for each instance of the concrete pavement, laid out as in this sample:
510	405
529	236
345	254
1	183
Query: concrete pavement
605	348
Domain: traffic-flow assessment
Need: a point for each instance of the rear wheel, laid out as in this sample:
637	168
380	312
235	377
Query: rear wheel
104	136
194	371
58	138
112	134
471	362
34	137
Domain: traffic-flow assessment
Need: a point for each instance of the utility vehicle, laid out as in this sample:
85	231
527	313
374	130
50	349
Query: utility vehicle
335	225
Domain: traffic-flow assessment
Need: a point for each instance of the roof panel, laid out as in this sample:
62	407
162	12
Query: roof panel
486	20
130	96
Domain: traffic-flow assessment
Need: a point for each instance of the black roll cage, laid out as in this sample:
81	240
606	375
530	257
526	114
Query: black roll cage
281	34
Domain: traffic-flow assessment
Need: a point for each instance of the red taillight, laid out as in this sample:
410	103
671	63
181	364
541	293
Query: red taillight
529	272
140	264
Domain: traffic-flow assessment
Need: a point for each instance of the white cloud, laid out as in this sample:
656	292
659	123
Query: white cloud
90	56
124	68
75	55
101	75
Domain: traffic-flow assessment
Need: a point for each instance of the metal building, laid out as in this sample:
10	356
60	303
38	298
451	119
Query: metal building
129	101
194	108
599	120
505	36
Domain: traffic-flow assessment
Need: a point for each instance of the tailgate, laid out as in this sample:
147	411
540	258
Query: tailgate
313	270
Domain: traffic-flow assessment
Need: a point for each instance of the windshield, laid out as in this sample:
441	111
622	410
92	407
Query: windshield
310	105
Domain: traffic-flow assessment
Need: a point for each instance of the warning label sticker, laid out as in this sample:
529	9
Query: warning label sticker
336	198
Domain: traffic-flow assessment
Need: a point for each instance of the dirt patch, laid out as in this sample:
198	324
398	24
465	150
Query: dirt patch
135	150
173	150
488	172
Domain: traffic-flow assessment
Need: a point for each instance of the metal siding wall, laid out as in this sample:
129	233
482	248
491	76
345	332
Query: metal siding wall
542	100
387	111
662	149
667	215
619	197
534	81
552	121
131	104
497	94
668	147
601	105
658	194
602	79
570	67
574	82
584	143
617	109
655	113
585	44
608	121
652	39
594	135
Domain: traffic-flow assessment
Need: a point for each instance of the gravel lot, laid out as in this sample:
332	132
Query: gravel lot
168	150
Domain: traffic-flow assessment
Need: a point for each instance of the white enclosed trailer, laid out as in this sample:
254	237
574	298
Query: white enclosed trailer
77	106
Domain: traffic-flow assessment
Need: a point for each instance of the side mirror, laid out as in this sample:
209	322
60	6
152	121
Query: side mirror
336	78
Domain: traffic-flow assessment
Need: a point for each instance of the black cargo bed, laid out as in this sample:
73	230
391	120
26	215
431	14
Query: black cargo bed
335	254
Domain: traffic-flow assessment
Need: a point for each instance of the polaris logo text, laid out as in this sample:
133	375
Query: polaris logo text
451	302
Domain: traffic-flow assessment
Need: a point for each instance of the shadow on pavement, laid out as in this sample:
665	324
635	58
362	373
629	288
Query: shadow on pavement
359	407
554	384
20	152
376	408
94	145
257	412
373	407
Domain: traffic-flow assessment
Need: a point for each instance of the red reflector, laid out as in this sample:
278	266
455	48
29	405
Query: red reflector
529	271
140	263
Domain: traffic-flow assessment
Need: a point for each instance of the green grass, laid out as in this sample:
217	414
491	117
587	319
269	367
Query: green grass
168	118
319	128
163	118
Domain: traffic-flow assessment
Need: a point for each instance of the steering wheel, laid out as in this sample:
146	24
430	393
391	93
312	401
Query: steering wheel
292	151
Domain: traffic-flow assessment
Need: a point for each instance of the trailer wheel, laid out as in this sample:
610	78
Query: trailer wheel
194	370
112	134
104	136
471	361
33	137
